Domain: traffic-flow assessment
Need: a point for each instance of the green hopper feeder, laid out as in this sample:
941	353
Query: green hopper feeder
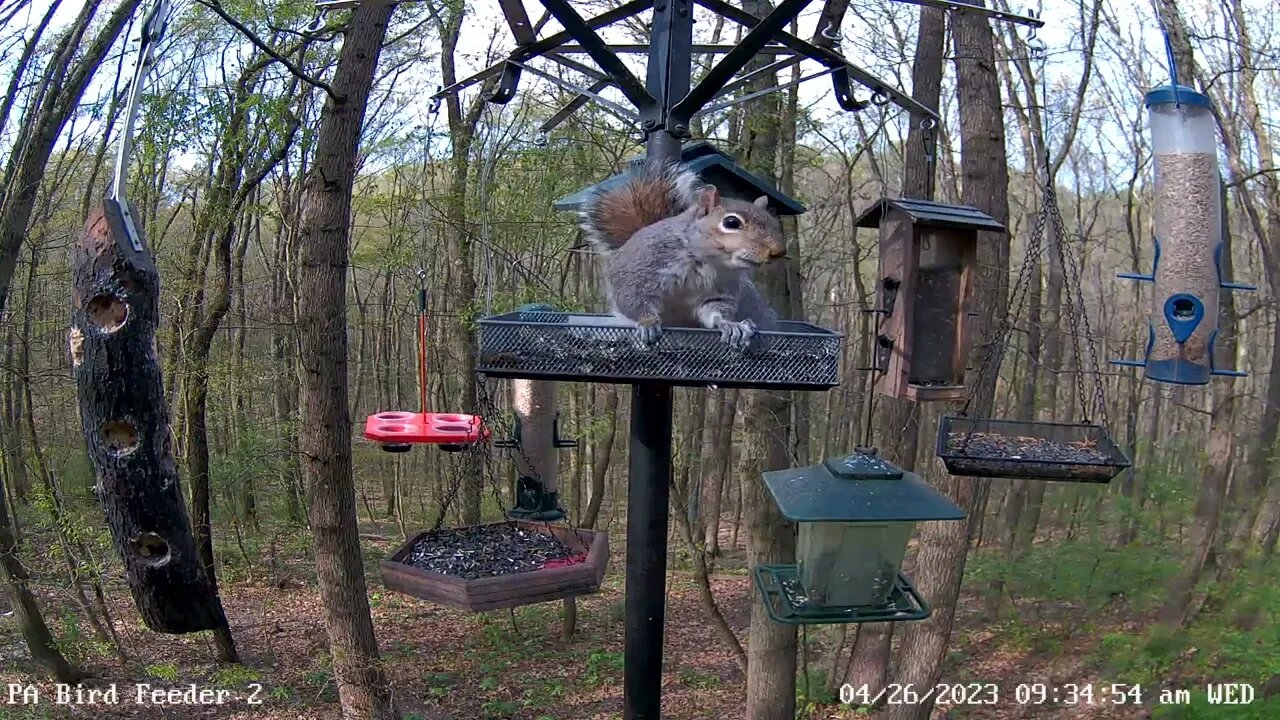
855	515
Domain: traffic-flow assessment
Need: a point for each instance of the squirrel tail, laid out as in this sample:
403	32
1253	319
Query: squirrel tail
654	193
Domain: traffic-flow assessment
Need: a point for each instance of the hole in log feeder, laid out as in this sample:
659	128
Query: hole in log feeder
75	340
120	437
151	548
108	312
1184	309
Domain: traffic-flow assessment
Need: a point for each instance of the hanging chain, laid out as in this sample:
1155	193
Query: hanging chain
1075	304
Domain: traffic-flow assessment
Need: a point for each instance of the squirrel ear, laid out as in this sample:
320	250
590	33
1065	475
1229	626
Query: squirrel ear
761	202
708	198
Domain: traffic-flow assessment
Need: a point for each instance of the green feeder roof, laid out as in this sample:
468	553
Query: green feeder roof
859	487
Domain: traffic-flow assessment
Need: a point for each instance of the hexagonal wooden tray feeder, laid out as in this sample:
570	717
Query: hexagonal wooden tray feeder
505	591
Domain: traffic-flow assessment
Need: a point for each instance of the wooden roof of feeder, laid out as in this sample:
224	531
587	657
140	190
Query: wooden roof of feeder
714	167
930	214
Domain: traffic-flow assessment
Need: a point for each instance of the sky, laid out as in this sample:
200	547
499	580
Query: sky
864	40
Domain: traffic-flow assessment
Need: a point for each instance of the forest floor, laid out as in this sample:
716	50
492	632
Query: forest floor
450	665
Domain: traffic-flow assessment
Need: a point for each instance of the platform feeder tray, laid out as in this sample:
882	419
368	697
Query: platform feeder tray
603	348
786	602
511	589
1028	450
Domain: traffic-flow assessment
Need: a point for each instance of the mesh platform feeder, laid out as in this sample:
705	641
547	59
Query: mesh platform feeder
1188	215
120	390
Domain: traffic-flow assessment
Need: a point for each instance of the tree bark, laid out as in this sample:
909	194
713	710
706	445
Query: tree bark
869	662
325	437
125	423
944	546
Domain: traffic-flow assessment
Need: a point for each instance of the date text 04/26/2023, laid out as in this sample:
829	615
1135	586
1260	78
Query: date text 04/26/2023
136	694
994	694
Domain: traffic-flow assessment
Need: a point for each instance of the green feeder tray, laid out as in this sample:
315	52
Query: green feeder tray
786	602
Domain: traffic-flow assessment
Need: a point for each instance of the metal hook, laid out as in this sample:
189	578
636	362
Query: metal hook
928	124
317	23
434	107
880	98
832	33
153	28
541	140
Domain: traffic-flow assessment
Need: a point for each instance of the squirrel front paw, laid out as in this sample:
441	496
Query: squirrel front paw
649	331
737	335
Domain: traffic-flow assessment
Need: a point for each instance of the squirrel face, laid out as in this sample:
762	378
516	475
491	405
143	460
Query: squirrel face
737	233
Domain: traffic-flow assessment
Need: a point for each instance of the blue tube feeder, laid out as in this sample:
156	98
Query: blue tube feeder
1182	324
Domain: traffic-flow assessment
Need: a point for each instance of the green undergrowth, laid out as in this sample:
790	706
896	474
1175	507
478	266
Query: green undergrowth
1086	597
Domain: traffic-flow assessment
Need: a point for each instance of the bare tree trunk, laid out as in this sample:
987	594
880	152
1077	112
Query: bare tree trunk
325	441
869	663
722	463
944	546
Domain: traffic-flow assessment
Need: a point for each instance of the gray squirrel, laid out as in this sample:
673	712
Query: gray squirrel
680	255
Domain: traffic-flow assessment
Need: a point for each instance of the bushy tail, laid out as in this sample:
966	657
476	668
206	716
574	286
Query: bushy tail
655	192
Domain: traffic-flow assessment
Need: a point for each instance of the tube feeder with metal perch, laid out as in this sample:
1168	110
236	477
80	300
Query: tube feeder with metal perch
1182	324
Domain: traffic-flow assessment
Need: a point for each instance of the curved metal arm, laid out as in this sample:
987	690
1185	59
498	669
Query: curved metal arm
153	28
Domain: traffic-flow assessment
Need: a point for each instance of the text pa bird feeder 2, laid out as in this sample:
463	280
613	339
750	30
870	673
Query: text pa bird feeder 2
399	431
855	516
928	267
1182	324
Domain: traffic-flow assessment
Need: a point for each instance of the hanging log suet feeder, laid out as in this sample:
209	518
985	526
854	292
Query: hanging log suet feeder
928	269
123	412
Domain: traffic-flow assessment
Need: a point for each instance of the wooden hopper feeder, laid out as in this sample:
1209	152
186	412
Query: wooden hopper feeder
928	264
509	590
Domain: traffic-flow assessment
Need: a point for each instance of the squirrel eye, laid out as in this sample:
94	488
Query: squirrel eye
731	222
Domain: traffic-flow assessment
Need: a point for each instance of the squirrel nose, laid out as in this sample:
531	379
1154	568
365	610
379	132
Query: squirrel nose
778	252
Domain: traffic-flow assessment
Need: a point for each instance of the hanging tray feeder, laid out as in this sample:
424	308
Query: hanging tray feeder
498	565
1028	450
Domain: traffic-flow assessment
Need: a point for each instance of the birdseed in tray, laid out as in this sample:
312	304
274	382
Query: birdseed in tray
486	551
1038	451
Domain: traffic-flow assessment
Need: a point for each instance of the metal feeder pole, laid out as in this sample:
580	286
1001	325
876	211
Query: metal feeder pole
649	487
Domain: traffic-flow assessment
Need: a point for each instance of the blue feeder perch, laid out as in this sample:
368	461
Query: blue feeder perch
1187	270
855	516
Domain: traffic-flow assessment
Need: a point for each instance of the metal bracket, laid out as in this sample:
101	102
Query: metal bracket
609	62
827	57
153	28
556	441
507	85
737	58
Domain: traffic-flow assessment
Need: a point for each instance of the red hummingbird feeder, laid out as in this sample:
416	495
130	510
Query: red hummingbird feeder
399	430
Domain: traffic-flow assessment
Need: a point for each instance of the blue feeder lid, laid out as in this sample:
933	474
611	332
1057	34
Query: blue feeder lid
859	487
1164	95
